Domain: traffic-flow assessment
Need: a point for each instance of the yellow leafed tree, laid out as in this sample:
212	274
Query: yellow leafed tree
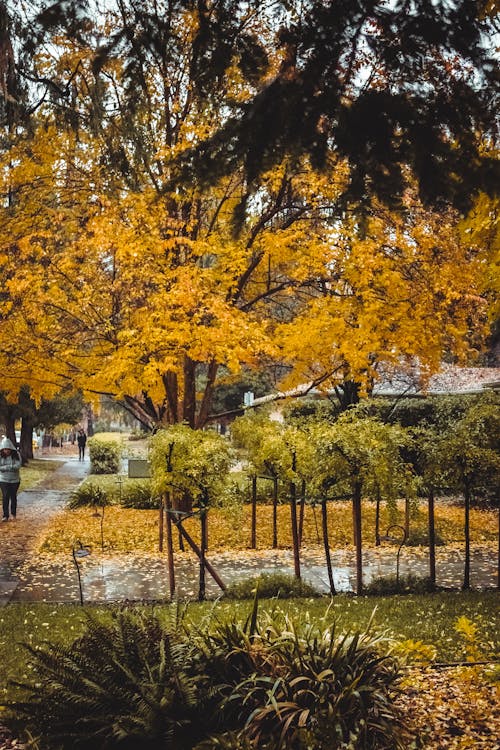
123	285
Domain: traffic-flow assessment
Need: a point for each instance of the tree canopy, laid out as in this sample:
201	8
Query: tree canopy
133	137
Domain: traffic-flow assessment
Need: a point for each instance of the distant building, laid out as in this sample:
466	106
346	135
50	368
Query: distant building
410	382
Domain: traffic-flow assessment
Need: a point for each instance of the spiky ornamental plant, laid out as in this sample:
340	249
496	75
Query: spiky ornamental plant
285	686
122	684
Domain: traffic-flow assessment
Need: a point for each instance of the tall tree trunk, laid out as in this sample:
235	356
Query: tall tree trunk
206	402
466	583
377	520
10	424
26	442
203	549
171	385
407	517
170	545
302	507
432	538
161	524
326	545
356	507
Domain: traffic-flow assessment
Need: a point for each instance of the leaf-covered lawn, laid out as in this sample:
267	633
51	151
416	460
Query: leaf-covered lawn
451	709
230	528
36	471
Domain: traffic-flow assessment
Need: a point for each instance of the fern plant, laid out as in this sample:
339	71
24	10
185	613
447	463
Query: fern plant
122	684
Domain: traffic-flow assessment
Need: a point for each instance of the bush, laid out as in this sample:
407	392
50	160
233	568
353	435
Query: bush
408	584
280	685
270	585
139	495
88	494
105	456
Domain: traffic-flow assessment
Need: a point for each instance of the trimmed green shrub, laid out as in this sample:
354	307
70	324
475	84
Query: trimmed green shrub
268	585
139	495
105	456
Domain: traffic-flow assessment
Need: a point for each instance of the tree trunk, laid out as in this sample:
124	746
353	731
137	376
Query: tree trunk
302	511
407	517
253	540
170	546
293	514
356	507
295	532
466	583
10	426
26	442
171	386
275	512
432	538
326	545
203	549
206	402
377	520
160	524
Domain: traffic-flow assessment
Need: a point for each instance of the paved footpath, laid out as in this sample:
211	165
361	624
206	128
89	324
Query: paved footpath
29	576
36	507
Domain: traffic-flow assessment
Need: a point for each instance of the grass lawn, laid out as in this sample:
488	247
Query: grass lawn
429	619
36	471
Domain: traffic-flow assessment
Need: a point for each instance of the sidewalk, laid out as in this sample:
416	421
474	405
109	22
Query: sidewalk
26	576
35	508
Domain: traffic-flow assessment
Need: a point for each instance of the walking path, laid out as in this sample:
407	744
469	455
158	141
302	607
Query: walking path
26	575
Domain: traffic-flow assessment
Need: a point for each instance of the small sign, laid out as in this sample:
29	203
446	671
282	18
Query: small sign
138	468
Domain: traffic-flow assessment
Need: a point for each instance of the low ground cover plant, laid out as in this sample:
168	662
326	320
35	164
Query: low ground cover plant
270	585
429	619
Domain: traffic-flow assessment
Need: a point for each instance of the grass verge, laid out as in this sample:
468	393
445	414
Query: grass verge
429	619
36	471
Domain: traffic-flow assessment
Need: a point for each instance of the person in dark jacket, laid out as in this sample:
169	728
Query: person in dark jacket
10	464
82	441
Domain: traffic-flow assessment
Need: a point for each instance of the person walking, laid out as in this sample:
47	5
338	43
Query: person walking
10	464
82	441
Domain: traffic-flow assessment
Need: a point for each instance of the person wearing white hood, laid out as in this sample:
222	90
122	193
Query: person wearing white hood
10	463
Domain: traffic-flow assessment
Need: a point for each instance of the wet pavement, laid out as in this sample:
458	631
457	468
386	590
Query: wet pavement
27	576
